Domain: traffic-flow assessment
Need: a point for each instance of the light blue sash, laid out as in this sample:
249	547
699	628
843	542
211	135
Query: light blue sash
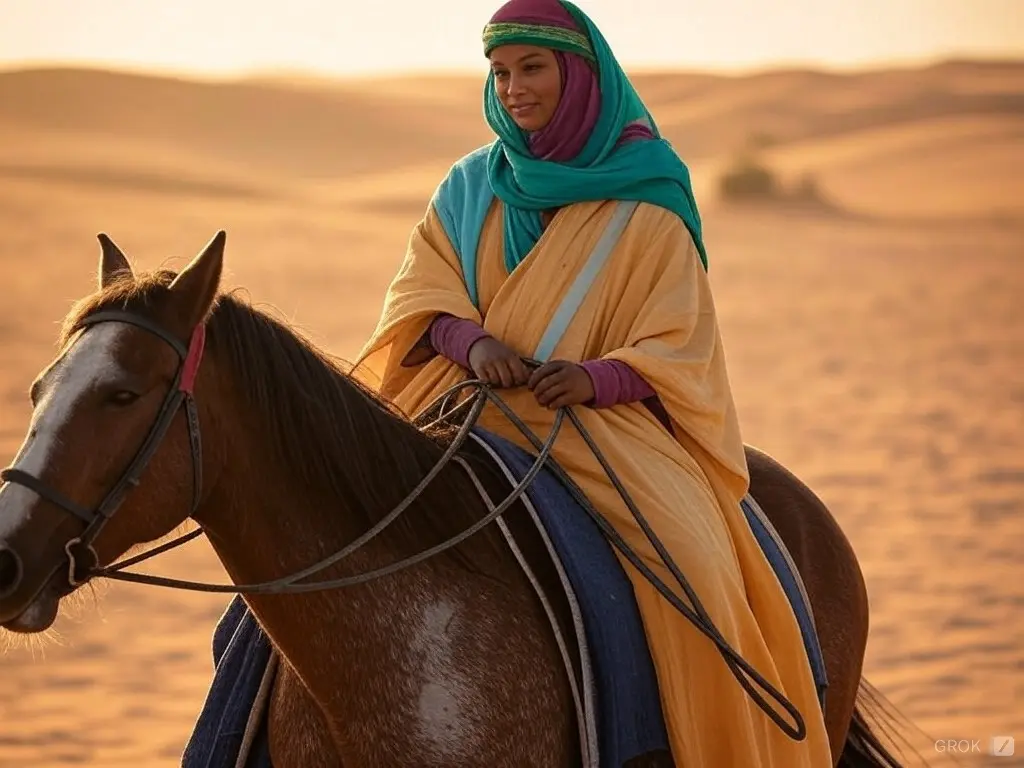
462	201
585	279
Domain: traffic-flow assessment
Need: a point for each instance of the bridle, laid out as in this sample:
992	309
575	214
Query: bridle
181	392
80	549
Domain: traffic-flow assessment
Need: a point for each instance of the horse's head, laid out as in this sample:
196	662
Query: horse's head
108	410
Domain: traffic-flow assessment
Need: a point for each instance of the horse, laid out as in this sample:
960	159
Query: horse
447	662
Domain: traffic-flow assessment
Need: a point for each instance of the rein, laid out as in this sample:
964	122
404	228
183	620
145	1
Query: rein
181	393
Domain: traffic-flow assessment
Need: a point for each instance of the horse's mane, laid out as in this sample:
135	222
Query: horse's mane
323	427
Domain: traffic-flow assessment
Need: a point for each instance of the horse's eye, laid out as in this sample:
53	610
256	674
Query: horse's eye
123	397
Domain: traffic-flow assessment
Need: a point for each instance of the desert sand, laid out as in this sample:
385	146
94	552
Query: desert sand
875	335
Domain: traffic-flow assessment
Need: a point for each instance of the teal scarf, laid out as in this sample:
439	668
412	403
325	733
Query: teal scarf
646	170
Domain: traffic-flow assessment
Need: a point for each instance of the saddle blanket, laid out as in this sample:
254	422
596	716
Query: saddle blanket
614	683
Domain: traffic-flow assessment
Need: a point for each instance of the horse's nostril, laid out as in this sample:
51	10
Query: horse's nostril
10	571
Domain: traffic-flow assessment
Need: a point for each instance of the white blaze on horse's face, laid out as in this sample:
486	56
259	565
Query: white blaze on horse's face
88	363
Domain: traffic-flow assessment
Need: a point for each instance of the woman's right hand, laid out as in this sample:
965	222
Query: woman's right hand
496	364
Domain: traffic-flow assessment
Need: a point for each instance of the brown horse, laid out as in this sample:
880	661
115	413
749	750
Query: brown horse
448	662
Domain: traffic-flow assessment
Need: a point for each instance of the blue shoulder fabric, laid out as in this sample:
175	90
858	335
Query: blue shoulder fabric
462	201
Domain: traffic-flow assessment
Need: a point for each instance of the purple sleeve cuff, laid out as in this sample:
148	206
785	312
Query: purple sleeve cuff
453	336
615	383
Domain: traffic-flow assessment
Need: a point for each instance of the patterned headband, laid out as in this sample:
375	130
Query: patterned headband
545	36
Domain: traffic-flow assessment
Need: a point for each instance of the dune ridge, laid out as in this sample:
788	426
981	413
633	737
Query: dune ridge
922	129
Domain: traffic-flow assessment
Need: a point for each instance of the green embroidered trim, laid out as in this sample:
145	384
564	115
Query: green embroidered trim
506	33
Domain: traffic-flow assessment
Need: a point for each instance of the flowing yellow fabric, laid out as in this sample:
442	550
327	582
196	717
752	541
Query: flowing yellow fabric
651	307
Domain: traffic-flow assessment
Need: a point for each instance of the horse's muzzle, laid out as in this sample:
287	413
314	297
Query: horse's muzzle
11	571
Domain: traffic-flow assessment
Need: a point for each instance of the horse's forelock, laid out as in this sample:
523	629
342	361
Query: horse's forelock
141	294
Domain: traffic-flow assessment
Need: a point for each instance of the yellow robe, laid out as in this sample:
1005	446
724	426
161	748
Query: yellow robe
651	307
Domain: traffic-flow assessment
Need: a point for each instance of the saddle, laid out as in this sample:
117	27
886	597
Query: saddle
592	611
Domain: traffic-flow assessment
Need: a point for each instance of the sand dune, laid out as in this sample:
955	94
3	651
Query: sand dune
951	167
930	130
273	129
877	353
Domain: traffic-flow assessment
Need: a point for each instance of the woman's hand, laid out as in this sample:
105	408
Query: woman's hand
496	364
560	383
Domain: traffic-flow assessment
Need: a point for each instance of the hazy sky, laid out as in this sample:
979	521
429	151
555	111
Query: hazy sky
349	36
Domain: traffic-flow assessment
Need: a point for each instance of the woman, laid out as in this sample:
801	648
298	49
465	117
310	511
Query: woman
504	238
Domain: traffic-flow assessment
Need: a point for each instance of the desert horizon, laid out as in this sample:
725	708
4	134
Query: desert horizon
865	231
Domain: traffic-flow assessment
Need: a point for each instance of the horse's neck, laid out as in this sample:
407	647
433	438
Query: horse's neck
264	518
409	660
264	527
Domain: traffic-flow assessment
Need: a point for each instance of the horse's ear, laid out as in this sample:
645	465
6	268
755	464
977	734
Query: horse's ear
195	287
113	263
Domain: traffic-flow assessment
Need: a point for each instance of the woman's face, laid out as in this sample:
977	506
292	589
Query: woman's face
528	82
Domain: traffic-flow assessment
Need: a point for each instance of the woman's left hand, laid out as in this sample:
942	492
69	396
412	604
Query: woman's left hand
560	383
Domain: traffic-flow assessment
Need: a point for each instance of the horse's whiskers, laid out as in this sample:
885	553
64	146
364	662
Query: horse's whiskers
35	643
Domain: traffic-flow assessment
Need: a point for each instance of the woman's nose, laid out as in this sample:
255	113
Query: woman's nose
515	85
